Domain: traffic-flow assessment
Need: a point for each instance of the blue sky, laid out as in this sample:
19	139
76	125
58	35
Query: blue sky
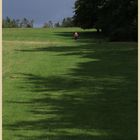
39	10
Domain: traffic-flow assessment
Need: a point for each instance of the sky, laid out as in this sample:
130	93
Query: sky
40	11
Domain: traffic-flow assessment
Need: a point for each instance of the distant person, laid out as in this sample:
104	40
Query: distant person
76	35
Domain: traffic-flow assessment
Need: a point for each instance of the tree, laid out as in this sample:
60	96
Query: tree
48	24
67	22
117	19
9	23
57	24
25	23
85	13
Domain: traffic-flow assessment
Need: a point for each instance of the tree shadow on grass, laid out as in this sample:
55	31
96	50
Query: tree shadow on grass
85	108
101	108
96	100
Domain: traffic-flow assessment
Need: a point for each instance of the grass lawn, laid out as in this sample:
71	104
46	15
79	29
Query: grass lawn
56	88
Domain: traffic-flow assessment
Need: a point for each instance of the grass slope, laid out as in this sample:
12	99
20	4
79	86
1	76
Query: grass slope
56	88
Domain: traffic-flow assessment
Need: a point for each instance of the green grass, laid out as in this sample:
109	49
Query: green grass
56	88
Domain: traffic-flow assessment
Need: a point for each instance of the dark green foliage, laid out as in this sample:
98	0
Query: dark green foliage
85	13
116	18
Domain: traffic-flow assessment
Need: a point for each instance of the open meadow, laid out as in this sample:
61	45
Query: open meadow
58	88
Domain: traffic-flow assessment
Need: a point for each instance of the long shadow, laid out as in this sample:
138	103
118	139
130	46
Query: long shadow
97	100
83	35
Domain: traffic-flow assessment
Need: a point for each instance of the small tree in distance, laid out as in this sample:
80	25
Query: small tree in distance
48	24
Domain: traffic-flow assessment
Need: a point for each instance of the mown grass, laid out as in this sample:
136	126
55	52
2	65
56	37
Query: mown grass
56	88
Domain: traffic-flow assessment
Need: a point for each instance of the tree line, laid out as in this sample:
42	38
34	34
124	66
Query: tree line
26	23
117	19
17	23
66	22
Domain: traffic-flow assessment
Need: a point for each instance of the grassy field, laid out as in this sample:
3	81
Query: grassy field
56	88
